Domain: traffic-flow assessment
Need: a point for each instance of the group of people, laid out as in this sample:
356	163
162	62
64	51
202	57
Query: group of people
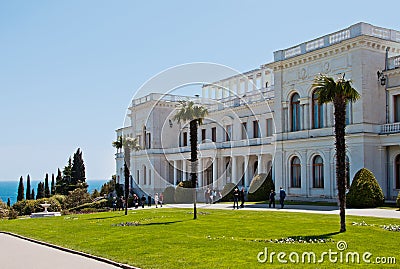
212	196
119	203
282	196
238	196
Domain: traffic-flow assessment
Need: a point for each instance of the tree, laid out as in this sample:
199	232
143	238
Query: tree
339	92
53	186
20	195
128	145
189	111
33	194
67	172
78	168
28	188
118	143
8	202
61	183
46	187
40	191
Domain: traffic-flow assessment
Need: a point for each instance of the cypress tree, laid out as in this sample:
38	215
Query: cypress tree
28	188
78	168
67	171
8	202
40	191
46	187
33	194
53	186
20	196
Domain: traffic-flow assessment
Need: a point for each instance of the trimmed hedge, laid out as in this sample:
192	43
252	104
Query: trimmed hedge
365	191
169	195
227	192
183	193
260	187
398	200
94	205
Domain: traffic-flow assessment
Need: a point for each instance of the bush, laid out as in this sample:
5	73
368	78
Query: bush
260	187
12	214
227	192
77	197
103	203
4	213
365	191
60	198
398	200
169	195
27	207
183	193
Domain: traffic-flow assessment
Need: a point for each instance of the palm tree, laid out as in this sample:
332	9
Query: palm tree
117	143
339	92
189	111
128	144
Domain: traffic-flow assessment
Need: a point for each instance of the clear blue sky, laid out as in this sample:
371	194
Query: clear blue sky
68	69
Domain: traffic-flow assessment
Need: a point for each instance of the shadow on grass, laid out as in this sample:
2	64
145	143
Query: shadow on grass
321	236
108	217
161	223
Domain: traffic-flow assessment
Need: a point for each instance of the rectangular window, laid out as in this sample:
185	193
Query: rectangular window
203	135
148	142
256	129
244	130
228	133
214	134
185	140
269	130
396	108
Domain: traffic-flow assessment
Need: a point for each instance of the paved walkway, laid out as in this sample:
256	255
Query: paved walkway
17	253
332	210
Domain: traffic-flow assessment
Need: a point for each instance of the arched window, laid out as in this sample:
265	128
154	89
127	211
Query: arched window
318	172
144	175
295	180
295	110
317	113
397	165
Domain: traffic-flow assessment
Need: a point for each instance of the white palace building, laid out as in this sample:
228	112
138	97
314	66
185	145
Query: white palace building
269	119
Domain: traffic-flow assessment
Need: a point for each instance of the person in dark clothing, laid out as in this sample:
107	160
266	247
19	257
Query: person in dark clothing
282	196
236	198
143	200
149	201
272	198
242	197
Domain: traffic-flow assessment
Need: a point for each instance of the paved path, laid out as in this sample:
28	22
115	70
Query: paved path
17	253
333	210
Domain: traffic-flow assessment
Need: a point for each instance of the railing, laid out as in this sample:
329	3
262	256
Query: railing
394	62
390	128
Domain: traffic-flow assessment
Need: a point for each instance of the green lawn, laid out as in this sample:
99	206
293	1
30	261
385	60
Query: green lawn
170	238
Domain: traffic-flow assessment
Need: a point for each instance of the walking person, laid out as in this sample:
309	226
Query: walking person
149	201
272	198
156	199
282	196
161	199
242	193
236	198
143	200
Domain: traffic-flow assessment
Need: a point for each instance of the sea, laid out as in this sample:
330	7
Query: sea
9	189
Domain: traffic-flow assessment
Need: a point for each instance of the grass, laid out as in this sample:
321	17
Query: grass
170	238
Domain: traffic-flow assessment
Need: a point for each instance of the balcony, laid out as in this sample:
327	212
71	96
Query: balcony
390	128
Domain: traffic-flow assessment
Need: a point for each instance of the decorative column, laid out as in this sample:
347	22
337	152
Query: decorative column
234	178
246	171
175	173
254	81
215	172
259	164
263	79
184	178
200	172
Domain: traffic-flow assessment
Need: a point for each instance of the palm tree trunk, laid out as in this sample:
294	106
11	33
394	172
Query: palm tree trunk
340	126
127	155
193	160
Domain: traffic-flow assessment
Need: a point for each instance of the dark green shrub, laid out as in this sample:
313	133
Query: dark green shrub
12	214
60	198
260	187
76	197
27	207
227	192
4	213
183	193
169	195
364	191
103	203
398	200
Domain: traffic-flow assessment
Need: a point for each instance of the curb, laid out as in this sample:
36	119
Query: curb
100	259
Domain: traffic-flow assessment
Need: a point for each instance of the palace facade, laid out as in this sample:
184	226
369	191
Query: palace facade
268	119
